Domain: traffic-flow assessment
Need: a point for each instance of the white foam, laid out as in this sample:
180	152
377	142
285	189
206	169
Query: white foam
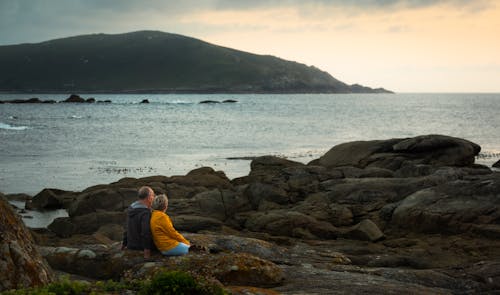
10	127
75	117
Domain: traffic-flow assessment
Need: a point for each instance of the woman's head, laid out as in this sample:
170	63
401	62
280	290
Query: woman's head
160	202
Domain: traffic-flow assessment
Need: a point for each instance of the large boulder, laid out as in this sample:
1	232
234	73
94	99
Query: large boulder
392	154
86	224
204	177
462	205
265	168
51	198
21	265
109	199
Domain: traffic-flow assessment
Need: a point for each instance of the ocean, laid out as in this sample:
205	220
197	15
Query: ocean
74	146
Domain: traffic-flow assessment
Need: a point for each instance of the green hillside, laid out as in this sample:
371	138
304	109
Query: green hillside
151	61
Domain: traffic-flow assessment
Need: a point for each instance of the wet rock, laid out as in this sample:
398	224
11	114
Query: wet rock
21	265
145	101
496	164
90	100
229	101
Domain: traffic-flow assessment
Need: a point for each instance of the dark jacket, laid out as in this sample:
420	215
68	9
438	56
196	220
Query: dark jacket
137	235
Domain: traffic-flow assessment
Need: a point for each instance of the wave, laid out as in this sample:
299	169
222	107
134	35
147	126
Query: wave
75	117
10	127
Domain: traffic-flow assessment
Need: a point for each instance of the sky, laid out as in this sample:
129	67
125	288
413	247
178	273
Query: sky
401	45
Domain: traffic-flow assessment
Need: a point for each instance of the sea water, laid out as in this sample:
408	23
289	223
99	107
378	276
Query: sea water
74	146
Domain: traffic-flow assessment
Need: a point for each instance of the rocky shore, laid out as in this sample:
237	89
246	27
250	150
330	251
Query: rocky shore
413	215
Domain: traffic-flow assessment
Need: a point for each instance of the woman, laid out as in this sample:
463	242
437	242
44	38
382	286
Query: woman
165	237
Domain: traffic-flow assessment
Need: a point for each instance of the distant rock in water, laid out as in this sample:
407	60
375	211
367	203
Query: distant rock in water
229	101
209	101
104	101
31	100
90	100
145	101
74	99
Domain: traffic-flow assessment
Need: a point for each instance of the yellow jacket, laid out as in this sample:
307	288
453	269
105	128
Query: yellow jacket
164	234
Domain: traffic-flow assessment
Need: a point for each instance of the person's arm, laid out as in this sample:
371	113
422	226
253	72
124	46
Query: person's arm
146	236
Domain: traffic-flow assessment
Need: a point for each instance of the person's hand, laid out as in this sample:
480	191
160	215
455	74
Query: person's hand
147	253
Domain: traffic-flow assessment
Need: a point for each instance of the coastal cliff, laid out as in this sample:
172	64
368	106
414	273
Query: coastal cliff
385	216
155	62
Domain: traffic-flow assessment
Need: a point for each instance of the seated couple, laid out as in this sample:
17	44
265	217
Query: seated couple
147	230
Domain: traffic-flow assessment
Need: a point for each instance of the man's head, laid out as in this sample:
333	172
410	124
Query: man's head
146	195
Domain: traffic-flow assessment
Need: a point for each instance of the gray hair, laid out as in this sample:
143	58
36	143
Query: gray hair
160	202
144	192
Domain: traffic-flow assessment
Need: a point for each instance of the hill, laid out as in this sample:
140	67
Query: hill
152	61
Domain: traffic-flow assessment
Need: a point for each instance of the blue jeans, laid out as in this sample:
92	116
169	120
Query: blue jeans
181	249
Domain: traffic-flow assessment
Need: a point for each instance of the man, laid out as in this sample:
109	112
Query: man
137	235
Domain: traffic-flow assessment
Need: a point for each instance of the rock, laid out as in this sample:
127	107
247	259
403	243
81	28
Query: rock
104	101
192	223
496	164
21	265
229	101
90	100
111	231
109	199
453	207
318	206
74	99
369	172
145	101
266	167
50	198
256	192
221	204
291	224
86	224
366	230
209	101
31	100
18	197
205	177
392	154
101	262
